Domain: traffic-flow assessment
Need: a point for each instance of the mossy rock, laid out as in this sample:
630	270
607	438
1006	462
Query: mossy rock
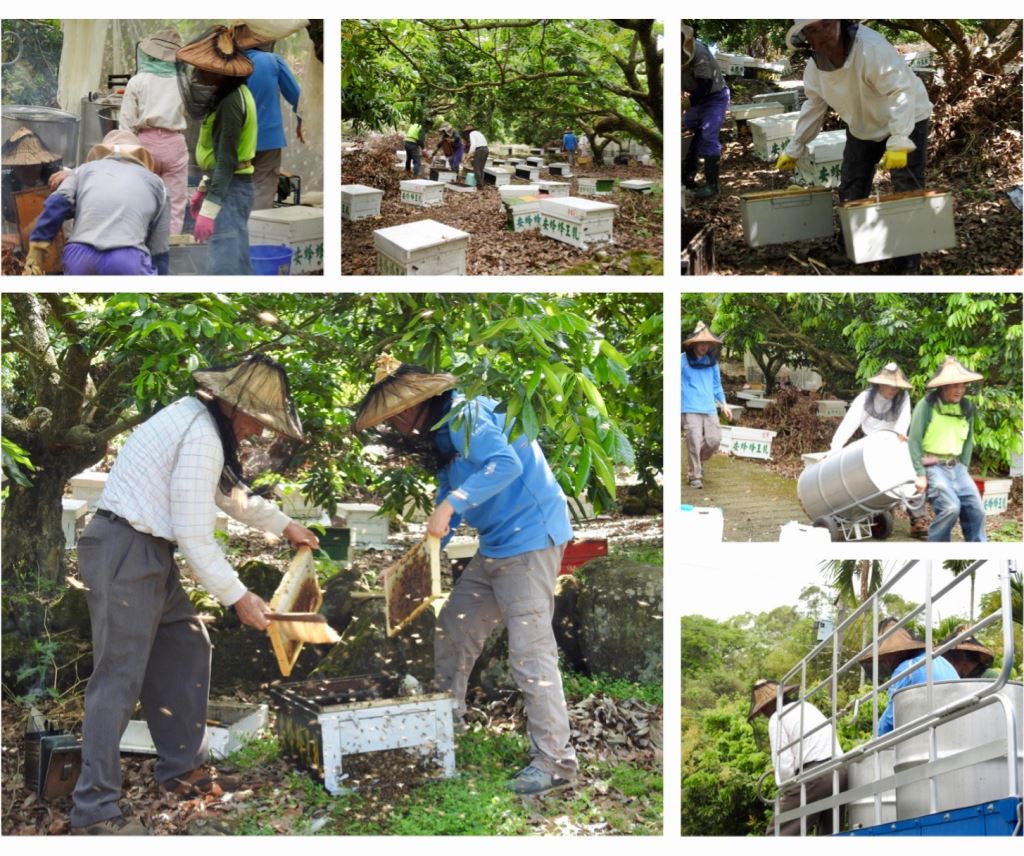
620	611
365	648
71	612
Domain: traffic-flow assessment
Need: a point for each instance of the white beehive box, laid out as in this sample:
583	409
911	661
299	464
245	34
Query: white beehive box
637	185
513	190
560	169
554	189
811	458
422	192
732	64
771	134
759	403
524	213
529	173
368	529
744	112
725	445
230	725
784	216
495	162
88	485
821	165
444	176
789	99
997	495
514	162
831	407
592	186
72	519
298	226
424	248
735	410
920	221
535	152
296	506
499	176
751	443
359	201
400	158
918	59
575	221
535	160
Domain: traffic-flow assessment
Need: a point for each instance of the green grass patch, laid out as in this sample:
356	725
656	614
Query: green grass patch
580	686
1009	531
644	554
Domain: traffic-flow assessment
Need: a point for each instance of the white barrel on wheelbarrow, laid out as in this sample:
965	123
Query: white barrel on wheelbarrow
868	476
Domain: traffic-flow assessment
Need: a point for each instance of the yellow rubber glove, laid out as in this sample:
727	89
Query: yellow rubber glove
36	258
894	160
785	163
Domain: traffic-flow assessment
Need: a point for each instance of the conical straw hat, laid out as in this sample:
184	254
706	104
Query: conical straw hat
162	45
898	644
764	693
701	333
258	386
969	657
952	371
24	148
891	375
122	144
397	387
220	51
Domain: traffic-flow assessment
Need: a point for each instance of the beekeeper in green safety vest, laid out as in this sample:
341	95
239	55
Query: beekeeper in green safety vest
415	145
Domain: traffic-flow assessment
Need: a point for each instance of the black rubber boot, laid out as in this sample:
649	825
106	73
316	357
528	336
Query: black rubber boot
690	163
710	187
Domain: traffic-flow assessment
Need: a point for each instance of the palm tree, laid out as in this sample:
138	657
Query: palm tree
840	574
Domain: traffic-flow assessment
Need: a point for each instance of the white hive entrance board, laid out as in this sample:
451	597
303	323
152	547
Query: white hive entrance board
412	583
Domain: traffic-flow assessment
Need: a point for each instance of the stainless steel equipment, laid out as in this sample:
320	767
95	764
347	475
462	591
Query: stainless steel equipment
99	116
862	811
971	784
58	130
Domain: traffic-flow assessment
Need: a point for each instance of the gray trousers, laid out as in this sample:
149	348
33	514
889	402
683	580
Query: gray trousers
819	823
148	644
267	166
520	592
479	162
703	437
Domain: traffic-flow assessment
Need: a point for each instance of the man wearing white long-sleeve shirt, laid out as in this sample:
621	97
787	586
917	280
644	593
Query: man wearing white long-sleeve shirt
791	760
476	148
162	494
885	107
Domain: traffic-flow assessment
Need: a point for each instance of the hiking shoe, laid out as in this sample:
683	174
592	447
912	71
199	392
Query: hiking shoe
531	781
697	484
918	527
113	826
201	782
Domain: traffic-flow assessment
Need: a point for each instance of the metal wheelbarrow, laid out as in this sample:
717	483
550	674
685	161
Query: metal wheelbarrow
854	493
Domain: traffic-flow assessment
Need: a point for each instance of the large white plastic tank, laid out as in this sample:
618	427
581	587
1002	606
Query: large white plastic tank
869	474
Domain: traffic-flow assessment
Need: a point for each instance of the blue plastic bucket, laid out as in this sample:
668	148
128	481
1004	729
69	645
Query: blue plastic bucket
271	259
471	180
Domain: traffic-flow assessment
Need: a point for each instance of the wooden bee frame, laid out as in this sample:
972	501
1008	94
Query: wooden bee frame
299	591
412	583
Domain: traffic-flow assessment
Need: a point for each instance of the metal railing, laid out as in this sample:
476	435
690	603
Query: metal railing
928	722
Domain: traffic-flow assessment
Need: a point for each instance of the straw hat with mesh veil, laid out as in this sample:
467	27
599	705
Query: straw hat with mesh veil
24	148
765	693
897	646
258	386
221	50
969	657
952	371
122	145
891	375
702	333
162	45
397	387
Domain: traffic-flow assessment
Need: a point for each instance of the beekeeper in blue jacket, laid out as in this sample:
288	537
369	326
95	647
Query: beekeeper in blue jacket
702	399
506	490
885	107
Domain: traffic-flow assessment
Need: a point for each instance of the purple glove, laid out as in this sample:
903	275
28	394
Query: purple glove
197	203
204	229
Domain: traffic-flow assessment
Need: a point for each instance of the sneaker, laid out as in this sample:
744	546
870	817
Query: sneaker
697	484
113	826
531	781
201	782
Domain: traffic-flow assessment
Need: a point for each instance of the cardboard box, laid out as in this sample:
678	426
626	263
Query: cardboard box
920	221
423	248
359	201
422	192
771	134
299	227
575	221
784	216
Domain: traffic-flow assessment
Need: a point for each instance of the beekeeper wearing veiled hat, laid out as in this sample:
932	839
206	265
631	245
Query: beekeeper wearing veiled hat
506	490
898	651
941	440
121	211
709	101
883	406
702	399
885	107
786	723
162	495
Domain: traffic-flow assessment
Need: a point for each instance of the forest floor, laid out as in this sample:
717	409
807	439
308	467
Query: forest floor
636	248
975	151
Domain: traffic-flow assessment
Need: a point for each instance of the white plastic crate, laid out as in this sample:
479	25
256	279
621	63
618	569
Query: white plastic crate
784	216
560	169
751	443
771	134
920	221
535	160
528	173
513	190
499	176
554	189
72	519
742	112
637	185
88	485
423	248
422	192
298	226
592	186
575	221
822	164
523	213
997	495
831	407
359	201
368	529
